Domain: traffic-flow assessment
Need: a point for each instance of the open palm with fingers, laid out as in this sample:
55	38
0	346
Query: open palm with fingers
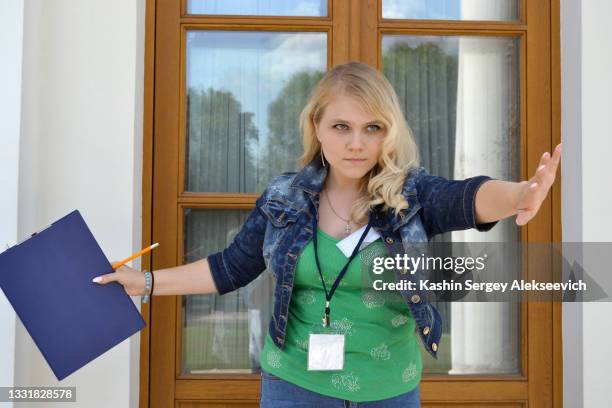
534	190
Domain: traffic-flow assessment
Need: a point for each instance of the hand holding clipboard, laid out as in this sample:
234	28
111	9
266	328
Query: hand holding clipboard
132	280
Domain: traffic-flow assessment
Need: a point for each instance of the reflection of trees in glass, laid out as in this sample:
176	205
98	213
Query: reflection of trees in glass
222	143
284	143
425	79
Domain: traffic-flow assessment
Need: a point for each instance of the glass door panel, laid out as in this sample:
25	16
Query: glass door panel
303	8
461	97
222	333
245	91
451	9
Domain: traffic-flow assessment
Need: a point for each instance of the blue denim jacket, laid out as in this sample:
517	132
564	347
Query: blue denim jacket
280	226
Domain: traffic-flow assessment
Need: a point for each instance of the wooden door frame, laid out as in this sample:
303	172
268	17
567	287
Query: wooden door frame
547	116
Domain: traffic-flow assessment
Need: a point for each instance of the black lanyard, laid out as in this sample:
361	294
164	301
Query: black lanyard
329	295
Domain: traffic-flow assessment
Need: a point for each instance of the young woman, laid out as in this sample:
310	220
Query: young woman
359	176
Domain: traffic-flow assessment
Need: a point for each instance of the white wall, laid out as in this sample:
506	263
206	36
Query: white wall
597	199
586	88
11	41
571	208
81	148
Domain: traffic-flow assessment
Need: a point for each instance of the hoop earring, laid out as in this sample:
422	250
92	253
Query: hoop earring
322	159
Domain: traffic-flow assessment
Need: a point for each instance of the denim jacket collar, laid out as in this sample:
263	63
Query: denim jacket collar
311	178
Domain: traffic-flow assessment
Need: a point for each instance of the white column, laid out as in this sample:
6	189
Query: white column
586	85
11	43
596	80
488	9
81	148
483	335
571	191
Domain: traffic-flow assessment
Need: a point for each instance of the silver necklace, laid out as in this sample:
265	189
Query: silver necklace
347	227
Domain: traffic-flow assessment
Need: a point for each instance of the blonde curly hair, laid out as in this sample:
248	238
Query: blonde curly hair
384	182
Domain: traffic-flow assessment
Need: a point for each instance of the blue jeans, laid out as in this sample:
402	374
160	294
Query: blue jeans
278	393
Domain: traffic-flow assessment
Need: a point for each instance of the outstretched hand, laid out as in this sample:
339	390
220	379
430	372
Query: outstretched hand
534	191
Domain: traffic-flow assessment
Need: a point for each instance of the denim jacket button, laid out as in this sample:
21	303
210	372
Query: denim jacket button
389	240
434	346
426	331
415	298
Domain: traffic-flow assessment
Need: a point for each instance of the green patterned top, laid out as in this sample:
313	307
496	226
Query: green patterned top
382	356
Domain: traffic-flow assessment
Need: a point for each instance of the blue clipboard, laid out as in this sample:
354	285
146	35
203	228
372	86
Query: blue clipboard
47	280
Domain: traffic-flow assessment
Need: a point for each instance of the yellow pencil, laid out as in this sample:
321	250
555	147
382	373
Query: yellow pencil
136	255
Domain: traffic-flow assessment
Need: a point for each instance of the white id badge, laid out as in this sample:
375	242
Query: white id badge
325	351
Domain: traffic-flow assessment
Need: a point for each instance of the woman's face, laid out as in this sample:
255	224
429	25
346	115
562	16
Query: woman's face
351	139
